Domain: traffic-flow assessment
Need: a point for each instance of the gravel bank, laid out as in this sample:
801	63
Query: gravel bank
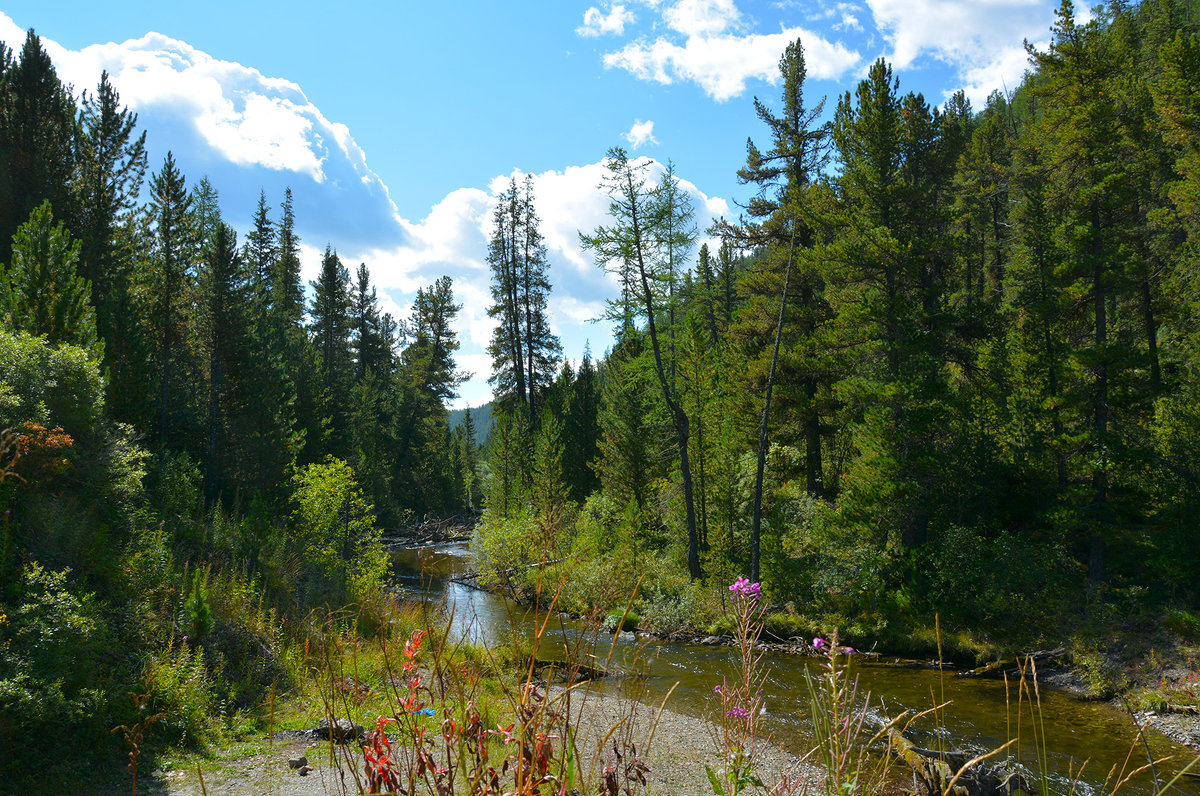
680	748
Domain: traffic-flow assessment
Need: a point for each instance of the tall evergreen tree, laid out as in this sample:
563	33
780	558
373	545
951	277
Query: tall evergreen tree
330	332
175	251
371	349
261	257
227	344
37	139
288	298
524	351
636	221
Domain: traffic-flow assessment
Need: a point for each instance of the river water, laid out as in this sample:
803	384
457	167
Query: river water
982	714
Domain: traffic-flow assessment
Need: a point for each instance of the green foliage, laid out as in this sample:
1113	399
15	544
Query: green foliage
183	691
1184	623
197	616
48	631
53	385
505	547
40	291
335	528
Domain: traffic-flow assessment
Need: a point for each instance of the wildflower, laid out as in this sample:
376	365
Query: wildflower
847	650
742	587
738	713
818	643
716	689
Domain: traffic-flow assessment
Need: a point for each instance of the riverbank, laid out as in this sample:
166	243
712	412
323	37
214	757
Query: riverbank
675	757
1149	668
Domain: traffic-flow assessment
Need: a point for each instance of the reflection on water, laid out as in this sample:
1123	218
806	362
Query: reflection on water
982	715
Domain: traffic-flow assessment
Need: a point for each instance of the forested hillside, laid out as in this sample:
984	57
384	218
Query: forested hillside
944	362
197	449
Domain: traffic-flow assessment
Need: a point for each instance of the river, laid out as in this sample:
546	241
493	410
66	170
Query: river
981	716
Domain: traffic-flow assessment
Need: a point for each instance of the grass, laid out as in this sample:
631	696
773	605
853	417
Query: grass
496	727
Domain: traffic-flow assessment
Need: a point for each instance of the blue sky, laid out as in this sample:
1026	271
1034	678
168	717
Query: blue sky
395	124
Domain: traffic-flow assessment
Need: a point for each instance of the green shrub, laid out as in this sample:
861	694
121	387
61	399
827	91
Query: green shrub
786	624
1183	623
620	620
55	649
50	385
183	692
505	547
197	616
335	527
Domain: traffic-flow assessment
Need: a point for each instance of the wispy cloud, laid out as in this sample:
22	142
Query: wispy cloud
640	134
598	23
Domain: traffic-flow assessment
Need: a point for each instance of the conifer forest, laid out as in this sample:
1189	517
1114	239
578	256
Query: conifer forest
942	368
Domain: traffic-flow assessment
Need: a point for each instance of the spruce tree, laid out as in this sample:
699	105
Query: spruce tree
175	252
524	351
329	329
41	291
288	298
38	140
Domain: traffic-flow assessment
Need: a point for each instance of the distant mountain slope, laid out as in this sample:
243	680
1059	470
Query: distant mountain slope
482	415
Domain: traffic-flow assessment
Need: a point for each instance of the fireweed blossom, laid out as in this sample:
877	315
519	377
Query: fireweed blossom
739	699
742	587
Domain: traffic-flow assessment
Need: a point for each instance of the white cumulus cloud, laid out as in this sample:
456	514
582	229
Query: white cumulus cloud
597	23
722	64
710	43
970	34
244	130
640	134
702	17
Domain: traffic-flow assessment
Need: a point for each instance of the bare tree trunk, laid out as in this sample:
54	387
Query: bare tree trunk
756	514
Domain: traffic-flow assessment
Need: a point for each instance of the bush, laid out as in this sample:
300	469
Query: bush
183	692
335	526
49	385
505	547
1183	623
52	680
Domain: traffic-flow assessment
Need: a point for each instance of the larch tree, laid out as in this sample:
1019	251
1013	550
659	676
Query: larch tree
631	242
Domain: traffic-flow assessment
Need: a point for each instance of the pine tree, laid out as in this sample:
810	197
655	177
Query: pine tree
524	351
288	298
371	350
638	219
41	291
175	251
784	174
470	462
329	329
428	379
261	257
37	138
581	432
1091	189
227	343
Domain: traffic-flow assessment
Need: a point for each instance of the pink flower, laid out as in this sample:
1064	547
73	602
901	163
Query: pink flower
742	587
818	643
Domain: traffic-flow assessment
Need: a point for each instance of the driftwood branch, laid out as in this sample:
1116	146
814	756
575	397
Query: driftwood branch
955	773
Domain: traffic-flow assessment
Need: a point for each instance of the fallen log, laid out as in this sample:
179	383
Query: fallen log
1190	710
1013	666
954	773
